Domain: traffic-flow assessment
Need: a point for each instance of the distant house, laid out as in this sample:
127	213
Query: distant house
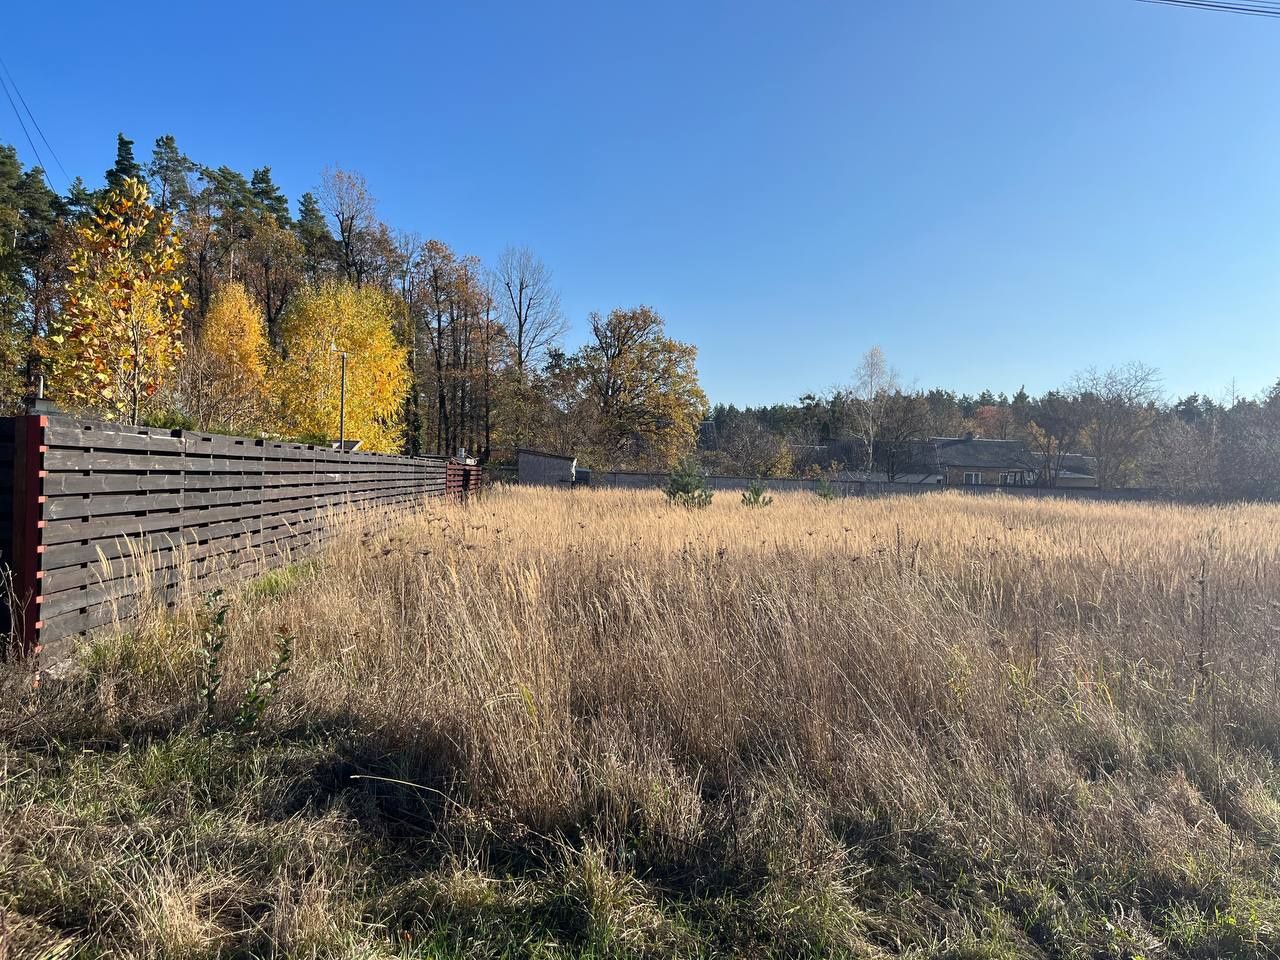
539	468
968	461
1077	471
972	461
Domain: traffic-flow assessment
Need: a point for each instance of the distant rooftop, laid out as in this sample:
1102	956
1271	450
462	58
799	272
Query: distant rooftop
544	453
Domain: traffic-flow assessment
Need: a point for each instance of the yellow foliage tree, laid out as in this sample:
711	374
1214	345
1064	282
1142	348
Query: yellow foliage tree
323	322
119	335
224	381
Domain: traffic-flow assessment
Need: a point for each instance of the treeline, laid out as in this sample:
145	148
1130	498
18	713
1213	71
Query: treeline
184	294
1191	447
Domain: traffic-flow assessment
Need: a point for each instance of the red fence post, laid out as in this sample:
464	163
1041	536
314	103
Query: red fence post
28	526
462	479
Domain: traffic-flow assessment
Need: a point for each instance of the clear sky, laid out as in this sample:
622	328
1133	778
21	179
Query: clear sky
997	192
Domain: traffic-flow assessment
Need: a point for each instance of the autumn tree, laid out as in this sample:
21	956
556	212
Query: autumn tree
459	349
994	421
119	334
224	379
1119	411
636	392
750	449
322	322
273	269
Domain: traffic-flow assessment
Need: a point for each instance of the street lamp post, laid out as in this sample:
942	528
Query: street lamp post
342	399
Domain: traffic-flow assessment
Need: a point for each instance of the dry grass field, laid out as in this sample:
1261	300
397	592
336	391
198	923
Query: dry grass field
590	724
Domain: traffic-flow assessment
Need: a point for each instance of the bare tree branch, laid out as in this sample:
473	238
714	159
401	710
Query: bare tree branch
530	305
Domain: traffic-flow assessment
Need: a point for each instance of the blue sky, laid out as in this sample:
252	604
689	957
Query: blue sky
997	192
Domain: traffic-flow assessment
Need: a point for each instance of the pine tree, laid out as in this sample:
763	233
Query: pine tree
1021	407
269	197
688	487
29	216
168	170
318	245
126	167
80	199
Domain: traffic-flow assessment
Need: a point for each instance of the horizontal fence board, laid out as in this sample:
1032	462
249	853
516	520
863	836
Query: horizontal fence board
72	460
167	576
133	562
72	553
69	483
144	521
86	506
61	434
118	548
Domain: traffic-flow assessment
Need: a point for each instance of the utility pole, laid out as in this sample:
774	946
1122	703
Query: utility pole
342	407
342	398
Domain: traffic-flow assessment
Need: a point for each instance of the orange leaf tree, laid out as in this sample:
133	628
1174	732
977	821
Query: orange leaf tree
119	335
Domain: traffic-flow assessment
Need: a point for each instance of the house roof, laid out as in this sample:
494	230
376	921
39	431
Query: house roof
543	453
1078	465
981	452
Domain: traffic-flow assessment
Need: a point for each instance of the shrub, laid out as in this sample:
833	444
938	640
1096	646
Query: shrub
755	495
825	489
262	687
688	487
170	419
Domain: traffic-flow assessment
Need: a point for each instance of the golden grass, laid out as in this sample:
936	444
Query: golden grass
964	726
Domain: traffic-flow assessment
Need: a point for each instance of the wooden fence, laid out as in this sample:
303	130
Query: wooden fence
99	508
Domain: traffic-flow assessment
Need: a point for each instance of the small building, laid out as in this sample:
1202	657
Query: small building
1076	471
971	461
538	468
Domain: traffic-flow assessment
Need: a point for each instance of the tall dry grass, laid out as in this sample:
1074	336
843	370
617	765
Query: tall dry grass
952	725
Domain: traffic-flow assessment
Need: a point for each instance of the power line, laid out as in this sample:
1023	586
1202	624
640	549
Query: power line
1265	8
1248	8
22	123
23	100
